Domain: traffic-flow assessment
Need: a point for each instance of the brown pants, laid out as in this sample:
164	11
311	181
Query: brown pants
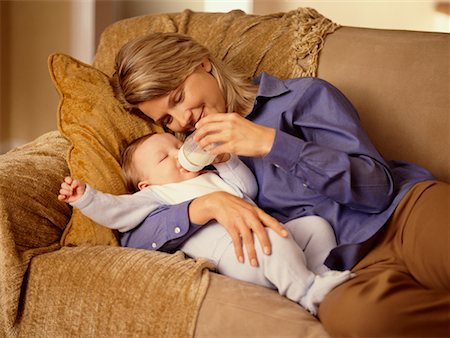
402	287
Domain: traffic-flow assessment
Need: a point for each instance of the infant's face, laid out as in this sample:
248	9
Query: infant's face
156	161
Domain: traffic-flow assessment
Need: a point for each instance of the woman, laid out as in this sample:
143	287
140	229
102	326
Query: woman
303	141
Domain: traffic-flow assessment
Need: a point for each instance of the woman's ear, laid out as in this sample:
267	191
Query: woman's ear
143	184
206	65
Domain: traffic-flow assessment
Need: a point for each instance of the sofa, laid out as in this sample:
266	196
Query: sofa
61	275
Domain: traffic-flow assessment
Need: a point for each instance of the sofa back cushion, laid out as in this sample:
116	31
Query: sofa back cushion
282	44
399	82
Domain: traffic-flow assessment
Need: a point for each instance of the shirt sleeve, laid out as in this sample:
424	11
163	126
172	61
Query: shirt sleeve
333	154
165	229
120	212
235	173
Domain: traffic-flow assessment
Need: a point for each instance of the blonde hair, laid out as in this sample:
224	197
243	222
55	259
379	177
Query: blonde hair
156	64
129	171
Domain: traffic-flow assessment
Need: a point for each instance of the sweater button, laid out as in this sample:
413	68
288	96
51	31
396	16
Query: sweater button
153	245
177	230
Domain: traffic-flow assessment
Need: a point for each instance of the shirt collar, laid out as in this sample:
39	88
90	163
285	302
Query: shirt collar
269	86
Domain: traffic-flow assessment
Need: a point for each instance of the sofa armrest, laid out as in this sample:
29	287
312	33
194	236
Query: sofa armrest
30	177
104	291
31	217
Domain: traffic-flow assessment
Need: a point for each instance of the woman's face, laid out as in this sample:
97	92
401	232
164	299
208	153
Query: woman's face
182	108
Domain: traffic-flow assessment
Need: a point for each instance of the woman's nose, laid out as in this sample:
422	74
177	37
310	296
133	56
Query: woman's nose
184	118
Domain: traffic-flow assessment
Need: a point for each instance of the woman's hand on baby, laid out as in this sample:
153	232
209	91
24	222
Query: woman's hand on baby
240	218
71	190
234	134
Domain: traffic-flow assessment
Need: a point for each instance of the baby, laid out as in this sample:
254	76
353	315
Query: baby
150	164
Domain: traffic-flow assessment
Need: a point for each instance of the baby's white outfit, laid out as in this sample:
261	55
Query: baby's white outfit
295	268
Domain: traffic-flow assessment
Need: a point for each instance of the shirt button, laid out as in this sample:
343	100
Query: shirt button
177	230
305	185
276	165
153	245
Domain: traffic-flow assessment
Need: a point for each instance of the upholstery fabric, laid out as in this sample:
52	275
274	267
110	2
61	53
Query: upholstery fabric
384	73
118	299
282	44
31	217
99	129
266	313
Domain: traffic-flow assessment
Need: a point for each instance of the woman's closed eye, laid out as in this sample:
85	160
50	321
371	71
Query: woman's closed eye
178	97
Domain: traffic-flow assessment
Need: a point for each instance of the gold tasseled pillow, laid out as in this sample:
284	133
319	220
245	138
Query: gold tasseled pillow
99	128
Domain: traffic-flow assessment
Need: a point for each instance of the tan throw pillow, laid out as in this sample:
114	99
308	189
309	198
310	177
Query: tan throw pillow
98	127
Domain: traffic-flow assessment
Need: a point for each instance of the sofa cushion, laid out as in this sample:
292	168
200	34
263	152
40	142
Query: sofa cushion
282	44
99	129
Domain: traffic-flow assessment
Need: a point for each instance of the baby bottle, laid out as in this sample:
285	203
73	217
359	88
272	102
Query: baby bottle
192	157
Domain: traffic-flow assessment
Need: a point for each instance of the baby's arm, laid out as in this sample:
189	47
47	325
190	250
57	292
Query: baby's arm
121	212
71	190
238	175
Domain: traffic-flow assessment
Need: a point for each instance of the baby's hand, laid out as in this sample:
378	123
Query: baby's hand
71	190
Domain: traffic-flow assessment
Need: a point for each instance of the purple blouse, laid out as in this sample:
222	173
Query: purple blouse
321	163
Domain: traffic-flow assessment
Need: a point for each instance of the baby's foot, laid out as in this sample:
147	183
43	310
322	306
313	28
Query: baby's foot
321	285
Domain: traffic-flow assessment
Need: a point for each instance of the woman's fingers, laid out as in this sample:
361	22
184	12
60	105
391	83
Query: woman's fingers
237	244
211	118
249	222
243	221
272	223
249	244
234	134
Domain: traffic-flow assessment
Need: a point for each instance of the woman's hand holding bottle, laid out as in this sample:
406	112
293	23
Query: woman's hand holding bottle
234	134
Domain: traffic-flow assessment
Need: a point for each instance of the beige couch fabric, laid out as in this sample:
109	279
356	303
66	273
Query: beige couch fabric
283	44
399	81
232	307
103	291
31	218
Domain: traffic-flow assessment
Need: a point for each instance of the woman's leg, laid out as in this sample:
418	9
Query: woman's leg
425	246
401	288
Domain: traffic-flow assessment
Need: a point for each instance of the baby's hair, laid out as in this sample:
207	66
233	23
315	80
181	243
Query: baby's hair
130	174
156	64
